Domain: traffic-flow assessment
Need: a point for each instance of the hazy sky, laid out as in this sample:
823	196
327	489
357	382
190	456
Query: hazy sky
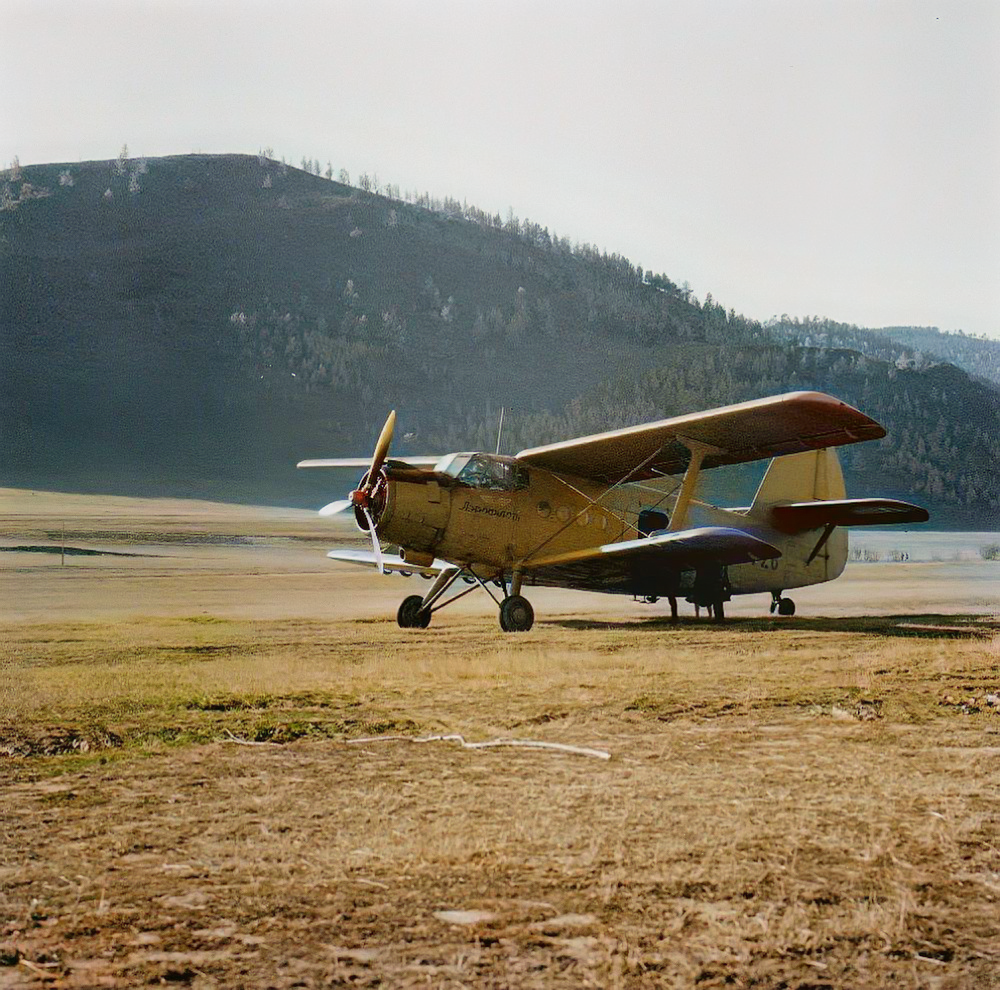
814	157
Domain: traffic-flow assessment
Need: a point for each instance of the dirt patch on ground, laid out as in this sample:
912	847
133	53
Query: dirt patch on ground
819	852
40	740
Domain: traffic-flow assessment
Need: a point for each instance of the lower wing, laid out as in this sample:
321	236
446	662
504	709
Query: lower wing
390	562
647	566
644	566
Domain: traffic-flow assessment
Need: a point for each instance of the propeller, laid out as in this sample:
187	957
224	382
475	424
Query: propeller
381	449
334	507
361	497
376	546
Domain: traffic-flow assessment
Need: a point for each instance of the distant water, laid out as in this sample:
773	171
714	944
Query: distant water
915	546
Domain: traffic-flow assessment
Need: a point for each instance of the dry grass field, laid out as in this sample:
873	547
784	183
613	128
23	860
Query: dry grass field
211	772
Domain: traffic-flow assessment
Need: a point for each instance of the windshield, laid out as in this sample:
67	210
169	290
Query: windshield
452	464
487	471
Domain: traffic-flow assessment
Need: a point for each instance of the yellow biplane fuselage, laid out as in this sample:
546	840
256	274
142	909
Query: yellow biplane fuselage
494	525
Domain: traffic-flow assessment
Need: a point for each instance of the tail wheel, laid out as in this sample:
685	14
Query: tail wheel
516	614
412	614
786	606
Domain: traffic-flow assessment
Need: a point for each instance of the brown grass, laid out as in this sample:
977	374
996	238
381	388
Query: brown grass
795	803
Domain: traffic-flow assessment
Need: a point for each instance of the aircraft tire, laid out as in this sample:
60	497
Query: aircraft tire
786	606
516	614
718	611
412	614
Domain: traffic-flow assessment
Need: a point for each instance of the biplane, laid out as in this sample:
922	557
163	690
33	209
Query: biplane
616	512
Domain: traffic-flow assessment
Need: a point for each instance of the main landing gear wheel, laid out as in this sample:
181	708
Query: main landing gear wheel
786	606
719	611
516	614
412	614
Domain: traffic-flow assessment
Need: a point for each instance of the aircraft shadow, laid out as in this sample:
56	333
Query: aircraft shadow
912	625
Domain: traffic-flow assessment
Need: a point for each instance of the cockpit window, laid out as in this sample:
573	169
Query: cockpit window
452	464
502	474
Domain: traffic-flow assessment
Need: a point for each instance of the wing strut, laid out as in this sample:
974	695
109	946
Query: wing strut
678	518
518	568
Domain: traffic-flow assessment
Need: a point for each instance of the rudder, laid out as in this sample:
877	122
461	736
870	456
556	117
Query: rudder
814	475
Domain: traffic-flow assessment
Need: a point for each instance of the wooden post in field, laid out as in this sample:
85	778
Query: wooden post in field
62	555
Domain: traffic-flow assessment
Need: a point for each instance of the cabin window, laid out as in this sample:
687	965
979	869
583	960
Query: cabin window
501	474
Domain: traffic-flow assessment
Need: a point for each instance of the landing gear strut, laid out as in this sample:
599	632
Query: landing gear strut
516	613
783	606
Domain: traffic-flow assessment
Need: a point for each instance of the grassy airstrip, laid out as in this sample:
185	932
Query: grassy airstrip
806	802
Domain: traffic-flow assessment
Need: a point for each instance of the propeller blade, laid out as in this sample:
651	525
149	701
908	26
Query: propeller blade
381	449
334	507
375	544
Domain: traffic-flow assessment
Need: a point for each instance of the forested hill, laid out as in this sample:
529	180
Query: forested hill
906	347
196	324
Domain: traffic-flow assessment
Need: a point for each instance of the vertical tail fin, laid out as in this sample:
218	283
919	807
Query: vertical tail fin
811	476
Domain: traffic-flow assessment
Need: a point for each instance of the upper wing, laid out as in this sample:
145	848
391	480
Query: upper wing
641	566
364	462
748	431
801	516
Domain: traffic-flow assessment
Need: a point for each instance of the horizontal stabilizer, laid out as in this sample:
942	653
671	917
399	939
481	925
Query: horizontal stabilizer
390	562
632	566
801	516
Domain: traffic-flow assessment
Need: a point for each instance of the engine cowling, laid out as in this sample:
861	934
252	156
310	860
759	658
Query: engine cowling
415	512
